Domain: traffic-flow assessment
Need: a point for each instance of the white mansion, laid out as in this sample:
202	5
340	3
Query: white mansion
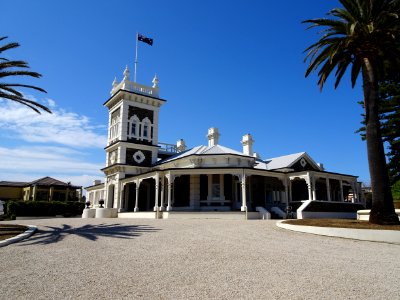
142	174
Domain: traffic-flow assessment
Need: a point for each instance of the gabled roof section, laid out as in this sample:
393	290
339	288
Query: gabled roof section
45	181
289	161
281	162
49	181
13	183
204	150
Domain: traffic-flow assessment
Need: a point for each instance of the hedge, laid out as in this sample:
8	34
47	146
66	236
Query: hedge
44	208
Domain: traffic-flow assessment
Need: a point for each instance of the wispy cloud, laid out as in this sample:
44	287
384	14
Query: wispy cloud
56	145
45	160
60	127
30	163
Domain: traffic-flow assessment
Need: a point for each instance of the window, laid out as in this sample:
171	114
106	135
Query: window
114	129
134	127
146	129
216	186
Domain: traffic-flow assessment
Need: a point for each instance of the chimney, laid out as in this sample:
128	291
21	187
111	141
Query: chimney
247	142
321	166
213	136
180	145
96	182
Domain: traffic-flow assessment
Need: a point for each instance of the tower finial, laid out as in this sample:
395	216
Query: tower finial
115	82
155	81
126	74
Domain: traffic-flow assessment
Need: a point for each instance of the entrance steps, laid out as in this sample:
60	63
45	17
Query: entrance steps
228	215
137	215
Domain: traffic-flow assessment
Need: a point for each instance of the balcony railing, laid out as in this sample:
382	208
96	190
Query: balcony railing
169	148
136	88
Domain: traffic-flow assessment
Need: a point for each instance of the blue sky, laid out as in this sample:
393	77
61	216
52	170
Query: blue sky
235	65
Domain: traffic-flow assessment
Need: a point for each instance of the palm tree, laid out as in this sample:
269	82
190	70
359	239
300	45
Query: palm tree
12	68
366	35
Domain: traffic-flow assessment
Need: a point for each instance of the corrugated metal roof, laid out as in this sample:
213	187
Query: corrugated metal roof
203	150
281	162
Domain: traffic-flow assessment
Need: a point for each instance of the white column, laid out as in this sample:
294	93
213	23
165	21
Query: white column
51	193
309	191
121	195
162	193
156	192
341	191
244	202
313	186
309	183
170	179
137	196
286	196
169	207
328	189
355	192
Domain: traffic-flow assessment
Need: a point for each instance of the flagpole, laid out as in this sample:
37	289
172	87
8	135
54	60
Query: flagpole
136	61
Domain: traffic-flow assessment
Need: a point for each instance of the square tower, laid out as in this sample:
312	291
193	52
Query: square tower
132	144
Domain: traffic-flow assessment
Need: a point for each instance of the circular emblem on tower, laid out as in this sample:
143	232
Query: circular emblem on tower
139	157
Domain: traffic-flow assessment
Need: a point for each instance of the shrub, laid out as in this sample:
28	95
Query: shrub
44	208
13	207
396	190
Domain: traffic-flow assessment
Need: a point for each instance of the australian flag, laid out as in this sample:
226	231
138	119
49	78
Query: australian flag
144	39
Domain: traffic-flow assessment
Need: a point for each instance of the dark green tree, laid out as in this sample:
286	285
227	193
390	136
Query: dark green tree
389	115
363	34
11	69
389	92
396	190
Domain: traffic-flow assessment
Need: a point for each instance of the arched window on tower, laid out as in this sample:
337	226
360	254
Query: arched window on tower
146	129
134	127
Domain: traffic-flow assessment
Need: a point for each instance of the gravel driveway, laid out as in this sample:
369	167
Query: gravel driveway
192	259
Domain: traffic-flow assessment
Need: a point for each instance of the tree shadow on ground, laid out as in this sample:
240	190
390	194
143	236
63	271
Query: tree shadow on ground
50	234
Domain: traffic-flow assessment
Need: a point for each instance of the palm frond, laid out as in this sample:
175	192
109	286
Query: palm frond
25	101
13	68
4	87
8	46
22	85
13	64
21	73
360	29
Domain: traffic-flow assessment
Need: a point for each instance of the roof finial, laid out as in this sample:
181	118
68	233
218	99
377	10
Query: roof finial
155	81
115	82
126	74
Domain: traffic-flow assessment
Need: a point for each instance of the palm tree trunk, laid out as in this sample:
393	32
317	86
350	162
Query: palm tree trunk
382	211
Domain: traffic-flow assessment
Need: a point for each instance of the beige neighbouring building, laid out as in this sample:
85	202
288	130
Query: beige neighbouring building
43	189
142	174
